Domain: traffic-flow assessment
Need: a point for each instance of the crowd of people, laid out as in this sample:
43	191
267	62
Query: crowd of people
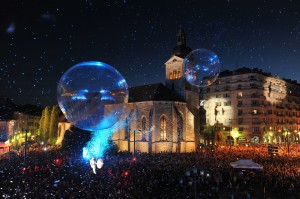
203	174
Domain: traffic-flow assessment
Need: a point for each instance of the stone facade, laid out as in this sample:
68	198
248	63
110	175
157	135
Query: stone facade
151	133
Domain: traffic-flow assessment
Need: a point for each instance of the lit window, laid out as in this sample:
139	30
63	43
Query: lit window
178	74
163	128
240	94
174	74
254	111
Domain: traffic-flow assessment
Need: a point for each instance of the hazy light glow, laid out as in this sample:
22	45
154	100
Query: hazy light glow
97	145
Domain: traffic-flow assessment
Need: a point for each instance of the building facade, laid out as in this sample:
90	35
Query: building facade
13	131
253	106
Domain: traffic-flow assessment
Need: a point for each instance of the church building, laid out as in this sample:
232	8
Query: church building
162	116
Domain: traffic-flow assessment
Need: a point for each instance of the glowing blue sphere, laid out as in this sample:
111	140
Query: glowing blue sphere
92	95
201	67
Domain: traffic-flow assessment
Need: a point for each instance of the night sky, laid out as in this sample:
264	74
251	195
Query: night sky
41	39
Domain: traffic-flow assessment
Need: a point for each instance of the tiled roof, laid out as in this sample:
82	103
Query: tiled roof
152	92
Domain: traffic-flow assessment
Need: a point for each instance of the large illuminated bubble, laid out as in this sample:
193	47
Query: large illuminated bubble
201	67
92	95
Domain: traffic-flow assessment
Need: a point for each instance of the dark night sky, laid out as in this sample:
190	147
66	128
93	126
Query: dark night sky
40	40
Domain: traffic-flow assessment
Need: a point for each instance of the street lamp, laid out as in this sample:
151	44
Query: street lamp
134	132
25	147
287	135
193	180
235	135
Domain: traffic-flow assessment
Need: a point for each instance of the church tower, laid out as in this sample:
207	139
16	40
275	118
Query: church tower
174	71
176	82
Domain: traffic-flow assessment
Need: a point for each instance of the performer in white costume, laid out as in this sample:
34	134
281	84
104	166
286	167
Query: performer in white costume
99	163
93	164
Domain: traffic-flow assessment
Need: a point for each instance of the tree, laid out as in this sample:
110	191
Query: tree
44	124
53	126
112	148
211	134
219	138
208	134
41	124
74	140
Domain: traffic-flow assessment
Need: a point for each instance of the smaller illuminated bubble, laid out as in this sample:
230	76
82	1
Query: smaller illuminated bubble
201	67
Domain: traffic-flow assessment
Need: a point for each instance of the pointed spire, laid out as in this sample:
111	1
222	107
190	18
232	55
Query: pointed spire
181	37
181	50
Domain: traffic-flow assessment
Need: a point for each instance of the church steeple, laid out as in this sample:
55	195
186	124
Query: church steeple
181	50
181	37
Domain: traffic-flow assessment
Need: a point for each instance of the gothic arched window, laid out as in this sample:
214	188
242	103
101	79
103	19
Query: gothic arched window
126	126
179	127
174	74
143	128
171	76
178	74
163	128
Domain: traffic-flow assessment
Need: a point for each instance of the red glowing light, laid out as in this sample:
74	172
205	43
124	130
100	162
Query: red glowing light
58	161
24	169
126	173
134	159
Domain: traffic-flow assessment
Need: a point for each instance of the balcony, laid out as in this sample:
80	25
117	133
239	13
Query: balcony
257	122
255	105
255	96
258	114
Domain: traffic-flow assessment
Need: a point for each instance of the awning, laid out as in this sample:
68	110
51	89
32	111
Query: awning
245	164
